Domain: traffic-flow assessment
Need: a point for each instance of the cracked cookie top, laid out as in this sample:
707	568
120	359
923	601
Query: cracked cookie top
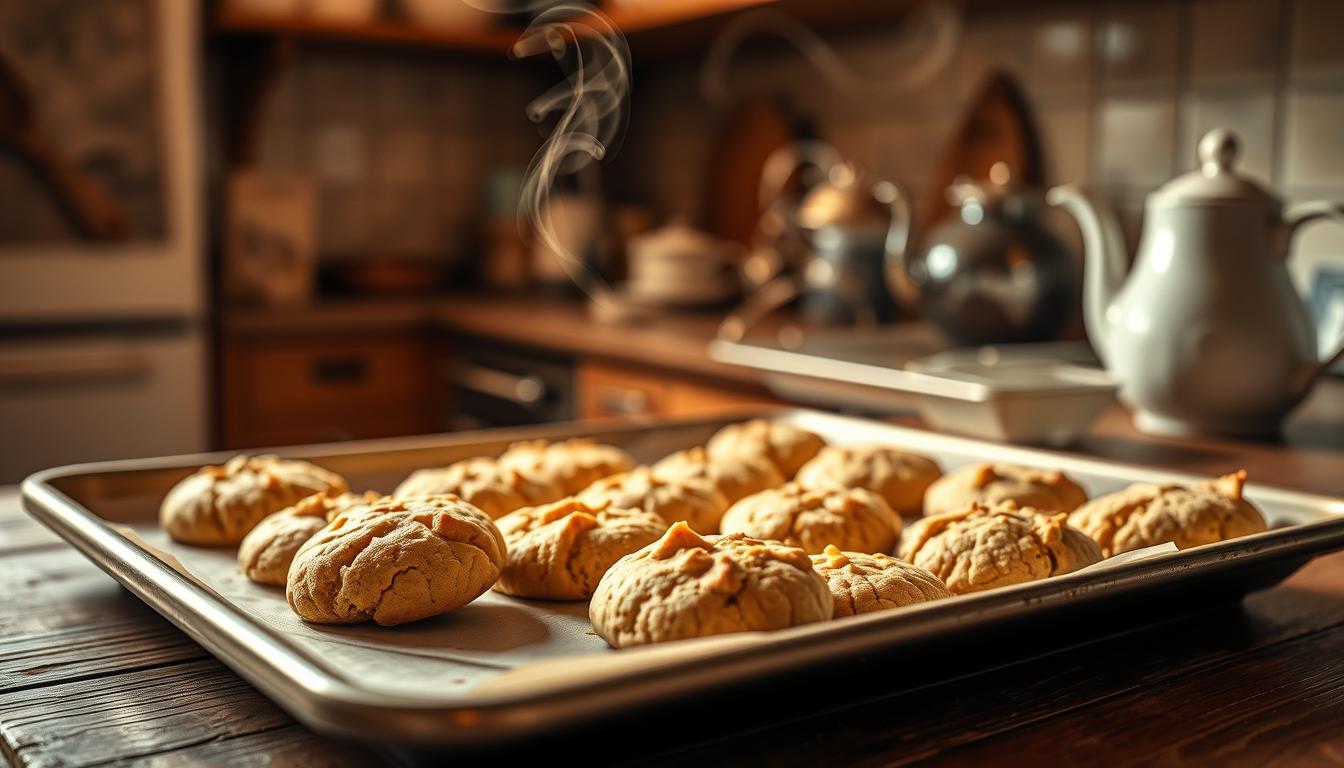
899	477
483	483
218	505
559	551
697	502
394	561
781	443
1044	489
1145	515
267	551
685	585
861	583
983	547
736	477
851	519
571	465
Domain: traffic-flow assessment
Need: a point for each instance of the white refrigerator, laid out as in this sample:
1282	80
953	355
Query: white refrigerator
103	344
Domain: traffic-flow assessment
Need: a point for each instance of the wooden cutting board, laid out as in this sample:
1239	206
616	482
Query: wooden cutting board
998	127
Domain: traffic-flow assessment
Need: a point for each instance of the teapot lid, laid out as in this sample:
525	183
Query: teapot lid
843	201
1216	182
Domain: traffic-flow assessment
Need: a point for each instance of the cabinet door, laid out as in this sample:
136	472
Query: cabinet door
299	391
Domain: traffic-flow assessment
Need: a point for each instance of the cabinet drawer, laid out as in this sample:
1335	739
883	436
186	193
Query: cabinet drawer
611	389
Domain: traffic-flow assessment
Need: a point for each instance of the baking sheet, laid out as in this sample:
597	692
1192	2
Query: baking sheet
505	652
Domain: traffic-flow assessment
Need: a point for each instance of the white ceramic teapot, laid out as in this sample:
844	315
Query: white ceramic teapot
1205	333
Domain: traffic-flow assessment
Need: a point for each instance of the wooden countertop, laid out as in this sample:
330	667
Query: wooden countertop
88	674
675	341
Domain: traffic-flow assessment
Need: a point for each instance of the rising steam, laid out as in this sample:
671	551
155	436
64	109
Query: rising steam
590	105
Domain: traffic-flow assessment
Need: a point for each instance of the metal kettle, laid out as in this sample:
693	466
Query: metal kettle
992	273
835	250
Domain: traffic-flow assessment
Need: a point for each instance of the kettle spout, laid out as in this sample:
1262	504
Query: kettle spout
1104	255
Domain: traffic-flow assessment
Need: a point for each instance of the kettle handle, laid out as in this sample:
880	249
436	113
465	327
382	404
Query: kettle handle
1306	213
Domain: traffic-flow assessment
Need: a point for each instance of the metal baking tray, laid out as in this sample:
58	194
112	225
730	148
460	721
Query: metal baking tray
503	668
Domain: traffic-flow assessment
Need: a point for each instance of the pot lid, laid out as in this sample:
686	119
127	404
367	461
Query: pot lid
1216	182
677	239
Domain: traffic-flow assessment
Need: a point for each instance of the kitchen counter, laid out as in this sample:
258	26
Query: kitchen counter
88	674
675	341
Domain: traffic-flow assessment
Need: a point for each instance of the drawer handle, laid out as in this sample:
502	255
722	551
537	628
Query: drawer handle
526	391
340	370
623	402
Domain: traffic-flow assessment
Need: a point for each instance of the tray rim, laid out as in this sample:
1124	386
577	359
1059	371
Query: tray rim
326	701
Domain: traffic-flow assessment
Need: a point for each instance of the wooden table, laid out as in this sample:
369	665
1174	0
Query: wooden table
89	675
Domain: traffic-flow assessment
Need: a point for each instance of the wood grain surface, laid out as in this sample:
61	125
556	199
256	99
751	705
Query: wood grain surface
91	676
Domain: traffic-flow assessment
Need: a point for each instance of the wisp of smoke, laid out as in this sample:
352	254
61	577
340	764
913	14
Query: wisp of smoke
590	108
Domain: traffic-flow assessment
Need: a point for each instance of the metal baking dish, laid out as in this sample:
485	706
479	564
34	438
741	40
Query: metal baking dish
478	696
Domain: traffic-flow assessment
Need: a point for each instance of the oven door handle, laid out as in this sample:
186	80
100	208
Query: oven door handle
527	391
32	370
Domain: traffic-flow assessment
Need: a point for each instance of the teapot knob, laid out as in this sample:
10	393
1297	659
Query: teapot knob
1218	150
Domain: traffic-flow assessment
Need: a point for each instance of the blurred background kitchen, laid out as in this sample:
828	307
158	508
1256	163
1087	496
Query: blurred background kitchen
263	222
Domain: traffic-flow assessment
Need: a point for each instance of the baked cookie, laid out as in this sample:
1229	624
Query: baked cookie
899	477
696	501
685	585
397	560
218	505
482	483
559	551
1046	489
784	445
862	583
1144	515
266	551
851	519
571	465
982	547
736	477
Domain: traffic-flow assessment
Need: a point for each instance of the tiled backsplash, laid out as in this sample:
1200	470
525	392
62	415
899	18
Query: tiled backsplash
1121	93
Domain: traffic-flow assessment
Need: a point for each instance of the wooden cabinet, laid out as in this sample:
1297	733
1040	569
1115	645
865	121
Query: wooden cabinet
304	390
607	389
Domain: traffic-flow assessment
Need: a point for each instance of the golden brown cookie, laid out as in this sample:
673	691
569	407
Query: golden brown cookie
694	501
853	519
862	583
396	561
899	477
571	465
267	550
1046	489
736	477
559	551
685	585
218	505
784	445
482	483
1145	515
983	547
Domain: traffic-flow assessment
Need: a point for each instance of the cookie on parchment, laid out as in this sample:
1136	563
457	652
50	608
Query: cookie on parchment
1145	515
736	477
697	502
1044	489
483	483
570	465
852	519
267	550
983	547
559	551
899	477
395	561
685	585
863	583
786	446
218	505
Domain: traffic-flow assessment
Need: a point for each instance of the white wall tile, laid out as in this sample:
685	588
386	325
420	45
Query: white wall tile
1250	115
338	152
1235	40
1138	44
1066	141
1135	138
1314	138
1059	55
1318	26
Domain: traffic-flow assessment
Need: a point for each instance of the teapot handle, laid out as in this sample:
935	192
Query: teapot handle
1306	213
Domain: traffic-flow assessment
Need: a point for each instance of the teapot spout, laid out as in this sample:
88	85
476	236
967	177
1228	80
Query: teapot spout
1104	255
